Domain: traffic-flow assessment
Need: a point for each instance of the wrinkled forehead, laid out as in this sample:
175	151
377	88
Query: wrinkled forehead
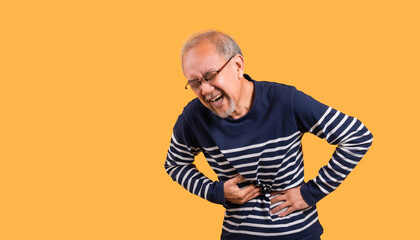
200	59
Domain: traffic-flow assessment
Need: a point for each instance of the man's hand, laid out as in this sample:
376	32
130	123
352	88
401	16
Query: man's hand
236	195
293	201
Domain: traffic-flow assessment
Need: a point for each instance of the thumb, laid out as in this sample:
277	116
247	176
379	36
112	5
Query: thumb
237	179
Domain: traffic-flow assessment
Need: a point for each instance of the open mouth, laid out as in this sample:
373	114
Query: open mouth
217	98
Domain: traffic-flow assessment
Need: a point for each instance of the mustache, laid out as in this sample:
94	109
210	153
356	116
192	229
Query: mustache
212	95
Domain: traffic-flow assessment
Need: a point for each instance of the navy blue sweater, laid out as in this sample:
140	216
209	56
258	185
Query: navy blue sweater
264	146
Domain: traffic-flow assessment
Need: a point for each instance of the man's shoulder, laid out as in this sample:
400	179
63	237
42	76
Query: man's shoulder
275	92
193	106
270	85
276	86
193	110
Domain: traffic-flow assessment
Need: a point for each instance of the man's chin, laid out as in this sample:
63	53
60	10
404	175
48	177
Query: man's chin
223	114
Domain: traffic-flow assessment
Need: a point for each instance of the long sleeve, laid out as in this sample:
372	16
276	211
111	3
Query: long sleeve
352	138
180	166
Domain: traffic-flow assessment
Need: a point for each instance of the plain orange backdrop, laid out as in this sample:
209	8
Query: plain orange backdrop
90	90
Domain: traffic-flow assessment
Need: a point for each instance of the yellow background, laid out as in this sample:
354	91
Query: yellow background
90	90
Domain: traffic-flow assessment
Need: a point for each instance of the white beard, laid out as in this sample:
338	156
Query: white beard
228	112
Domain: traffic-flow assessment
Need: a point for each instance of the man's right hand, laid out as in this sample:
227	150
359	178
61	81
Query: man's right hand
236	195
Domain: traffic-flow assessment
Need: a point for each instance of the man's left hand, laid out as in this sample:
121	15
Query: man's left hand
293	201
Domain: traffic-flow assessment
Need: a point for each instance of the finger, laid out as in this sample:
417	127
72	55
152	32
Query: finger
287	212
248	190
255	193
237	179
277	193
278	198
280	207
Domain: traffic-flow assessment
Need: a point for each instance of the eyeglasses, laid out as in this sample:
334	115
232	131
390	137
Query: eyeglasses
207	77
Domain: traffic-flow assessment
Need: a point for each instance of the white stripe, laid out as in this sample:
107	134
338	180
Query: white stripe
227	176
185	146
180	150
195	185
272	234
341	166
328	124
337	127
278	166
321	119
319	186
180	157
269	159
206	191
179	172
346	159
357	137
326	183
281	156
336	172
252	172
205	180
346	130
328	175
211	148
297	183
169	156
180	164
171	170
344	140
287	182
273	217
259	144
284	161
356	148
189	181
282	176
185	176
215	156
168	163
298	158
224	162
352	153
264	151
223	170
280	225
356	144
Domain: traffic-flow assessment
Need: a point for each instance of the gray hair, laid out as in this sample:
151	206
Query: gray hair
225	45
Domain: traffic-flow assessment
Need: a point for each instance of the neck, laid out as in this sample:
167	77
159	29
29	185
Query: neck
244	104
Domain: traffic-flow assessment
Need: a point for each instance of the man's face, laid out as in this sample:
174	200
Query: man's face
221	94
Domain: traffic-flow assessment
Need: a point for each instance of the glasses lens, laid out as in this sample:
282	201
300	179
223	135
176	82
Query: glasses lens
195	85
210	76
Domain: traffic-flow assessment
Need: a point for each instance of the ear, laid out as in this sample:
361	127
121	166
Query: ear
239	65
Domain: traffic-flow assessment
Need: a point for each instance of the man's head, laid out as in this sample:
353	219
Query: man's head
213	64
224	44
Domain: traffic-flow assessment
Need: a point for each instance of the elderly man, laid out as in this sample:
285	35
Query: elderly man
250	133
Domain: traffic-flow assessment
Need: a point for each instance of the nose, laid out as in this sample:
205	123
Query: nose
206	88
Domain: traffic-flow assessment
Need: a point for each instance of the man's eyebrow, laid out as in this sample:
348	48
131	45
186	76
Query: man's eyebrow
209	71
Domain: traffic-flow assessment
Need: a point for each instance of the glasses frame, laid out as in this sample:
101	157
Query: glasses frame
204	77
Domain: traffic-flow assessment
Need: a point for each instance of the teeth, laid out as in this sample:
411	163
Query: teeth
216	98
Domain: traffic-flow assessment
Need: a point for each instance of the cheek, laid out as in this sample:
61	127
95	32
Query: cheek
201	98
234	91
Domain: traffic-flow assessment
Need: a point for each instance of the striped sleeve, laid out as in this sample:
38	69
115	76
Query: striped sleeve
352	138
180	166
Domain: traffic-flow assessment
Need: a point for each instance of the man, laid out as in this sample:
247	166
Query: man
250	133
